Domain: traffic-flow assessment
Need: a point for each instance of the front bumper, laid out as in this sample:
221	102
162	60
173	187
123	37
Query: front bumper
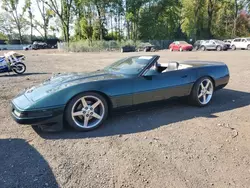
51	117
225	47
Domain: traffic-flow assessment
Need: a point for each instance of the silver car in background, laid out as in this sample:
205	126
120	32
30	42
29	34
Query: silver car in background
214	45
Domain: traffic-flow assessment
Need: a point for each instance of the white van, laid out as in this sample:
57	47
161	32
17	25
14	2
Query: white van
240	43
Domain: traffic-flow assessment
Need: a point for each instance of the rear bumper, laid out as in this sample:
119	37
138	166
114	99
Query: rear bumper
51	117
188	48
222	82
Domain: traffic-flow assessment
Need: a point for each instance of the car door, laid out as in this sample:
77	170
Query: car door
237	43
243	43
176	46
210	45
162	86
213	45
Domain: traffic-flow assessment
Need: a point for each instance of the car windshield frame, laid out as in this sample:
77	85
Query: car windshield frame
124	66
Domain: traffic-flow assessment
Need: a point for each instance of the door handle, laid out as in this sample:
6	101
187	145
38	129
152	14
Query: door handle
184	76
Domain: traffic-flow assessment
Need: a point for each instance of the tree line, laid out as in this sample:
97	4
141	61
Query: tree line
125	19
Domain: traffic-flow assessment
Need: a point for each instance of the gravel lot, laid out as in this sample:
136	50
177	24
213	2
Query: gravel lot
171	145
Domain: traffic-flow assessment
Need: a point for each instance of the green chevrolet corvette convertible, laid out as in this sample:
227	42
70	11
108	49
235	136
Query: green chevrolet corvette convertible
84	100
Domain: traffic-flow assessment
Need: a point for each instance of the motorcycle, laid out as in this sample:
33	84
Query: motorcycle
12	62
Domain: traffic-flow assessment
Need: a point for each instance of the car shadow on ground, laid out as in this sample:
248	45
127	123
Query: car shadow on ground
21	165
24	74
163	114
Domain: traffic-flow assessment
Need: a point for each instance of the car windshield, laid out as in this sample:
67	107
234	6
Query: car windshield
183	42
130	66
219	42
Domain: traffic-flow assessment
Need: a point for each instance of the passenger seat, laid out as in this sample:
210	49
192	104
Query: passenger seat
172	66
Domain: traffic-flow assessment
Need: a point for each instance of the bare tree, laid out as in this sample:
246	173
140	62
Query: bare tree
12	7
63	9
46	14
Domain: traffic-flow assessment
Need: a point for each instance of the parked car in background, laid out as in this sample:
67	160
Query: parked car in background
128	48
146	47
41	45
240	43
30	47
180	46
213	45
228	42
197	44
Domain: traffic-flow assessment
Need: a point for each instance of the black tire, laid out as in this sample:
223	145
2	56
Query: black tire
17	66
248	46
233	47
203	48
193	97
219	48
68	111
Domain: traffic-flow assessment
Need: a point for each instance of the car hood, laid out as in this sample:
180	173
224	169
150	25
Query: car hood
65	80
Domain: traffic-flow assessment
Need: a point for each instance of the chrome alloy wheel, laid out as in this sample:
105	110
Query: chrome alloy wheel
205	91
88	112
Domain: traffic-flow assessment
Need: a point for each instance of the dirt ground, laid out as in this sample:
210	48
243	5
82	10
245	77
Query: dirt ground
171	145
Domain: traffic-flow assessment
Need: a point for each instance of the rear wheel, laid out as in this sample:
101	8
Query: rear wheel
202	92
203	48
248	47
19	68
86	111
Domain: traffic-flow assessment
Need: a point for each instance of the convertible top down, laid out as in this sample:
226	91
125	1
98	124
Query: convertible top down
83	100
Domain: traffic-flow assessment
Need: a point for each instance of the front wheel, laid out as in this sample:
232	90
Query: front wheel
19	68
248	47
202	92
218	48
233	47
86	111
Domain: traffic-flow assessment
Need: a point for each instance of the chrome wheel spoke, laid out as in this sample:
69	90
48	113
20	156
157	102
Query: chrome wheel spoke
204	98
209	92
86	122
96	104
207	86
84	103
78	113
97	116
200	95
202	86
